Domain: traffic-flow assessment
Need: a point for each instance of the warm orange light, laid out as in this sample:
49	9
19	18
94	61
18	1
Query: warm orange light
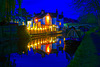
35	28
53	41
45	41
31	28
31	45
23	23
38	29
28	46
64	39
36	20
28	28
60	23
50	41
60	41
48	49
35	44
23	52
47	17
41	42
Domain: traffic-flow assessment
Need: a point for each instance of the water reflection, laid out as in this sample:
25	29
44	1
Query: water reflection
46	45
54	47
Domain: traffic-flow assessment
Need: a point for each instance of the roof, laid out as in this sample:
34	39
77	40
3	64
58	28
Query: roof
39	15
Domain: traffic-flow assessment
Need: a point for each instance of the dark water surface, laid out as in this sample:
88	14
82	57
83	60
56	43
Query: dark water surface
42	51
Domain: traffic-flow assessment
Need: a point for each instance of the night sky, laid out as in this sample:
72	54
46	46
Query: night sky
50	6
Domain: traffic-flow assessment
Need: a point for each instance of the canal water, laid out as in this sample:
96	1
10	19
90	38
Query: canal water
42	51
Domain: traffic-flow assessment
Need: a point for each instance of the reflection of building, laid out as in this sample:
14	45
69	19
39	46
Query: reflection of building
47	21
47	45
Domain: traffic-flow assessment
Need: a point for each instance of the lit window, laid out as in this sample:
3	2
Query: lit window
36	20
60	23
47	17
60	41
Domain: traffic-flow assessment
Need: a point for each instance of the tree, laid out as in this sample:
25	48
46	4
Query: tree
88	7
24	14
7	8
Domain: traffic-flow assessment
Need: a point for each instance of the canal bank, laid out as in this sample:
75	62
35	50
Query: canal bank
87	53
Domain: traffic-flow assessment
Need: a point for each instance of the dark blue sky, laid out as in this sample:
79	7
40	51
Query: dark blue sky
50	6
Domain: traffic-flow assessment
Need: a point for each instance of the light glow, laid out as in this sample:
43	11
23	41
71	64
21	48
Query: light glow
36	20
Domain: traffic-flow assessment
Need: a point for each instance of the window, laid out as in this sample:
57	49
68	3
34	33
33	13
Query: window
59	23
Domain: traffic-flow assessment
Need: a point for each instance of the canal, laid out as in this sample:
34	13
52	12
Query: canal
44	51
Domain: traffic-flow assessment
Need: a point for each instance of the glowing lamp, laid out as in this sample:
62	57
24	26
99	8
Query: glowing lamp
36	20
60	41
35	28
60	23
41	42
28	28
28	46
64	39
31	28
35	44
53	41
47	17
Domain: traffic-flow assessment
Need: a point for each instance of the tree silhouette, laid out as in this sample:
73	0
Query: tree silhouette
88	7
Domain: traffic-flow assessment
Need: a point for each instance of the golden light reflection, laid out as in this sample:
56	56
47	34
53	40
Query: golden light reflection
60	41
23	52
48	49
64	39
39	42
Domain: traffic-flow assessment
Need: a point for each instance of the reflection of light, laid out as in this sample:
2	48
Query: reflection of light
47	17
53	25
50	41
60	41
35	44
48	49
53	41
64	39
45	41
28	46
35	28
45	28
23	52
31	45
38	29
31	28
41	42
28	28
38	43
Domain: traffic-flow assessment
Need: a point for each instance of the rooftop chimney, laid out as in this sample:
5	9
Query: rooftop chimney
57	11
61	13
42	11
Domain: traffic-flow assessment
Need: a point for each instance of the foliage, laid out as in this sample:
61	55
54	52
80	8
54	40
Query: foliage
88	18
86	54
86	7
23	33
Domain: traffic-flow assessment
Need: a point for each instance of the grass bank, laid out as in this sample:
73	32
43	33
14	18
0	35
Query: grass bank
86	54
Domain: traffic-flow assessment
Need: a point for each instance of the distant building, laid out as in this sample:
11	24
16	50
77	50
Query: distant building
18	20
46	20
